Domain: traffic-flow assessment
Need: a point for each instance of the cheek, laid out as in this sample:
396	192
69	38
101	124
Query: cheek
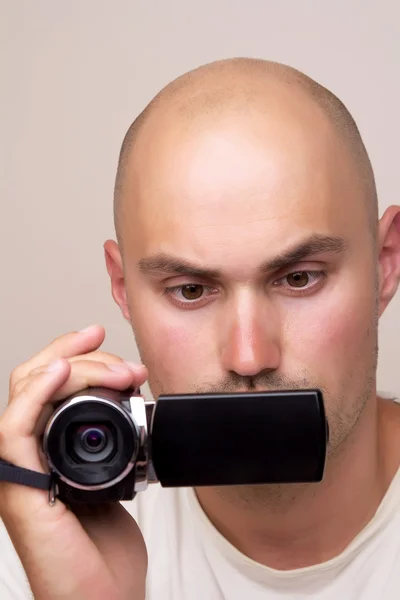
173	346
334	335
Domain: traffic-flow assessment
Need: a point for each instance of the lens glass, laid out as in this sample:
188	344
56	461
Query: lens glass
94	442
93	439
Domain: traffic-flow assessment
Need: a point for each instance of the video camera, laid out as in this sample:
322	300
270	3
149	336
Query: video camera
105	445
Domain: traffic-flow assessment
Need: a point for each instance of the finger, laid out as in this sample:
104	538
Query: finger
84	374
17	422
96	357
65	346
104	357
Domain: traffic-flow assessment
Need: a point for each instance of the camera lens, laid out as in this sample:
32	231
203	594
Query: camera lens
93	440
92	443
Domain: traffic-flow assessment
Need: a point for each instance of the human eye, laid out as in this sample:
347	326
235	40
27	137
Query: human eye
190	295
300	282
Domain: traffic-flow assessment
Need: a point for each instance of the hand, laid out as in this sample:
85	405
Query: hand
95	552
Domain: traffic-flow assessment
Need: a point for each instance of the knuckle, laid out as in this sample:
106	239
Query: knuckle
16	389
16	385
16	374
37	370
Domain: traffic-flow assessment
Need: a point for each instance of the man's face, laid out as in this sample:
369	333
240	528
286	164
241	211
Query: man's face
230	197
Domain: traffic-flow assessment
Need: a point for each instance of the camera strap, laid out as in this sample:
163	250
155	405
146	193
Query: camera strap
42	481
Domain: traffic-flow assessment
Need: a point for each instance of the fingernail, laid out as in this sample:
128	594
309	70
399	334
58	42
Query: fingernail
54	366
118	368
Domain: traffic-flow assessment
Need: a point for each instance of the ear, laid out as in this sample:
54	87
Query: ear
116	272
388	255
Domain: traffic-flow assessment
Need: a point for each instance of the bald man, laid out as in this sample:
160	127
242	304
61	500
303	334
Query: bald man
249	256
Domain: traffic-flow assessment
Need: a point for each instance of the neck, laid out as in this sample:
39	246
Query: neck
295	526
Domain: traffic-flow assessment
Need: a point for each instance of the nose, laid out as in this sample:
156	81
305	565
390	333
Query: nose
249	342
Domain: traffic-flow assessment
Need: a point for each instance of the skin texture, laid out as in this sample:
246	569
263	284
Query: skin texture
227	185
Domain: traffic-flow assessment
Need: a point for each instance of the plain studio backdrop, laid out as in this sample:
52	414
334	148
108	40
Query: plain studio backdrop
73	77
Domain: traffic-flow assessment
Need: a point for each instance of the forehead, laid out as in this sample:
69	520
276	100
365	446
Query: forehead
198	187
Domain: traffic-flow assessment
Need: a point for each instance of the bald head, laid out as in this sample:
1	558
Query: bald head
244	85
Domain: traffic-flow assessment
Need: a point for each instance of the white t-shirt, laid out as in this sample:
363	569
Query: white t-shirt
190	560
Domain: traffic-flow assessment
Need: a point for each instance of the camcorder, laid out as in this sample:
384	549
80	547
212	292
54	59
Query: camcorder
105	445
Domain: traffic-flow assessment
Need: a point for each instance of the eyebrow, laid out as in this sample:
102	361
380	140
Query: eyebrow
316	244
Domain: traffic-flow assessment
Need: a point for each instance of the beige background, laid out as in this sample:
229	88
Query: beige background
75	73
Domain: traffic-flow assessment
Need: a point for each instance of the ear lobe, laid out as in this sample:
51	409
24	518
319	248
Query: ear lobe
389	255
115	270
